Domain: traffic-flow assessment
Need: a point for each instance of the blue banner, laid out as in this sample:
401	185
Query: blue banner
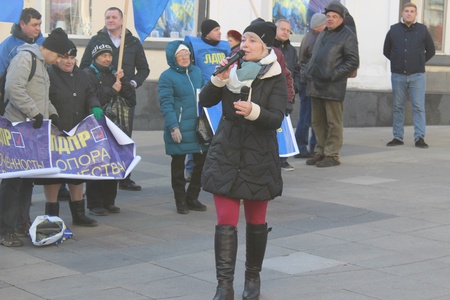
92	150
287	144
11	11
146	14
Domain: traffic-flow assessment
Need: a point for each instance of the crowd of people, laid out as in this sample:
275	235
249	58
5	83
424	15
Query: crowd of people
242	163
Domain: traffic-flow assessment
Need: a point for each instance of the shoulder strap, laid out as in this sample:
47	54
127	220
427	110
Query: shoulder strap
33	65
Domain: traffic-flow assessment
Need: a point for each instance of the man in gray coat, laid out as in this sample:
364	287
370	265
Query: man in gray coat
335	57
27	99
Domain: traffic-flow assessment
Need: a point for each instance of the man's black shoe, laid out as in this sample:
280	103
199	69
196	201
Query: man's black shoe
129	185
395	142
420	143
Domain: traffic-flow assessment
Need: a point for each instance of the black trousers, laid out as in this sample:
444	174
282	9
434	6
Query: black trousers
178	180
101	193
15	201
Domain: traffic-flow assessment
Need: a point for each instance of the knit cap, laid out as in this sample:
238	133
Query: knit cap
265	30
58	42
317	20
207	26
182	47
100	49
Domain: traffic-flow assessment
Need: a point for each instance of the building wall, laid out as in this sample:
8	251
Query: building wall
368	101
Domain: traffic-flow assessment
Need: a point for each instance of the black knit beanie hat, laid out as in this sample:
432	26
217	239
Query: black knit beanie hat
265	30
100	49
207	26
57	41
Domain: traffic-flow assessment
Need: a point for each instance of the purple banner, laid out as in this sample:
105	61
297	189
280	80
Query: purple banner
92	150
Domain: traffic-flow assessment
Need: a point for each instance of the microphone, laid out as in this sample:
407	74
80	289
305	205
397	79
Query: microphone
237	56
245	90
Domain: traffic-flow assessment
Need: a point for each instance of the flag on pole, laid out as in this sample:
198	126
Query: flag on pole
146	14
11	11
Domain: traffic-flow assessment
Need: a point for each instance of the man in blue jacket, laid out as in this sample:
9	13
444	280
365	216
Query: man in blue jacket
408	45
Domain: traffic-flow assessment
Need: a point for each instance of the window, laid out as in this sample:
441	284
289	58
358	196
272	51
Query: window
177	21
433	18
298	13
73	16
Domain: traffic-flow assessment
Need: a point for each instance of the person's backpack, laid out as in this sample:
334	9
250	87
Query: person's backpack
3	101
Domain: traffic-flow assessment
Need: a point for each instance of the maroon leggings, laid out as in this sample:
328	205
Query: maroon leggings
227	211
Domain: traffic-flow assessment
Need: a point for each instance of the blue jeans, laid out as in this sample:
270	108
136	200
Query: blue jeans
414	86
304	123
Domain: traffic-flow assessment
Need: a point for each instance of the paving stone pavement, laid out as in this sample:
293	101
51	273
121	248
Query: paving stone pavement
376	227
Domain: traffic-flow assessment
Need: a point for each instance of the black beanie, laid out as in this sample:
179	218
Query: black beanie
336	7
100	49
57	41
73	49
207	26
265	30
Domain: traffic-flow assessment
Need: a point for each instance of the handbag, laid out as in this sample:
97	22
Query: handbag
118	111
203	129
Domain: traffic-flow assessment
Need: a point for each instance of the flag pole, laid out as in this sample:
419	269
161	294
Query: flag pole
124	31
254	9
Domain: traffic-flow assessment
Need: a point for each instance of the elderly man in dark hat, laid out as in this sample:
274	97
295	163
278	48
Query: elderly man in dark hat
334	58
27	99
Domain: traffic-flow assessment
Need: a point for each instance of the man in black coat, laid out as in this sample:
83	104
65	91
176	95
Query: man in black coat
135	66
335	57
408	45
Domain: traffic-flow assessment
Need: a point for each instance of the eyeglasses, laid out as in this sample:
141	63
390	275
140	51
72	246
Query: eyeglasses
183	55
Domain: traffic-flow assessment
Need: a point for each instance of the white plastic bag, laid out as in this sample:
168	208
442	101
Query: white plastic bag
47	230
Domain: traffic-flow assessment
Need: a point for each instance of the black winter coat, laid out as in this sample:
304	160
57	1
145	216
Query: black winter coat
133	56
334	57
102	82
408	48
243	161
71	95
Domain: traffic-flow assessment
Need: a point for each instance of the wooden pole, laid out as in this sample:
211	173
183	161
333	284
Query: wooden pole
254	9
124	32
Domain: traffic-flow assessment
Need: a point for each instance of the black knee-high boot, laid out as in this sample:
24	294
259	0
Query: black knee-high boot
225	246
256	243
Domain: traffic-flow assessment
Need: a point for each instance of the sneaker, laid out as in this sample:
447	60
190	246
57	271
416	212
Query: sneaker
328	161
304	155
23	230
129	185
98	211
286	166
313	160
11	240
196	205
420	143
395	142
112	209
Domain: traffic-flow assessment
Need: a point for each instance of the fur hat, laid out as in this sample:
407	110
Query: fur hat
100	49
182	47
336	7
57	41
265	30
317	20
234	34
207	26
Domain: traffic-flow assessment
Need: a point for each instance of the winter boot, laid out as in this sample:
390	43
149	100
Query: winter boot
225	246
78	214
52	209
255	249
182	207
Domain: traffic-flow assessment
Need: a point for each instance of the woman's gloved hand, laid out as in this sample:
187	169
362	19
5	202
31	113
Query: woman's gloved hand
38	119
97	112
176	135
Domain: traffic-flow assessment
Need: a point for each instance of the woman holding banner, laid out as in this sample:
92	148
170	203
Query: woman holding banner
108	85
73	98
242	161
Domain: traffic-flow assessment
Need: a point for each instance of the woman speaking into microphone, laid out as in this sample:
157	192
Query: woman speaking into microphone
242	161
